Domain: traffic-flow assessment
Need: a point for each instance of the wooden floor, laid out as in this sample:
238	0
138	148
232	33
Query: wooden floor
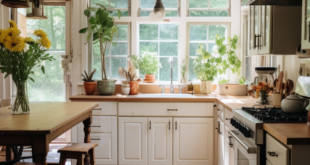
52	157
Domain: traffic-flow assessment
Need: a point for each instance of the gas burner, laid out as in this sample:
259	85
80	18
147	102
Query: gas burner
270	114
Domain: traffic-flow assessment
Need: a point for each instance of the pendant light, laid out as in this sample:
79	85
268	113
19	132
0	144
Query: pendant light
158	14
15	3
36	11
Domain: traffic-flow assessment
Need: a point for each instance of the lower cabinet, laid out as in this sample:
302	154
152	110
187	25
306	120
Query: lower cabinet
148	141
221	141
228	146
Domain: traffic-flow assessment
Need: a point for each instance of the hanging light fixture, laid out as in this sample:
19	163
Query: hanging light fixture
37	10
15	3
158	14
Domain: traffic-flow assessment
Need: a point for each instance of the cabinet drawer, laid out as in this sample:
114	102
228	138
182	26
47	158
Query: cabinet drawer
101	124
105	149
220	111
104	108
166	109
228	115
276	153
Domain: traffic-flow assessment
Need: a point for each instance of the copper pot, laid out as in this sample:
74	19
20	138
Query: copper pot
134	86
90	87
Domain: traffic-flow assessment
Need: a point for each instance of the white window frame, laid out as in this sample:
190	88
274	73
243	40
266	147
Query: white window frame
183	20
209	8
166	9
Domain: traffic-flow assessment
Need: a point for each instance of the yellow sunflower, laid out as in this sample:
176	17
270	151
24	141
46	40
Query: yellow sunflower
2	34
12	32
45	42
13	24
29	40
15	44
40	33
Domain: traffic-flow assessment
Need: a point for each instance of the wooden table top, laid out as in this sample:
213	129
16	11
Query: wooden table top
289	133
44	117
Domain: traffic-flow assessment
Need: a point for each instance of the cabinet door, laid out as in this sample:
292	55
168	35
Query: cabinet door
132	140
265	30
254	29
193	141
103	132
305	24
221	150
160	141
228	149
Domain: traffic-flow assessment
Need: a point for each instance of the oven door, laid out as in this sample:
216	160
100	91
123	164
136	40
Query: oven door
245	151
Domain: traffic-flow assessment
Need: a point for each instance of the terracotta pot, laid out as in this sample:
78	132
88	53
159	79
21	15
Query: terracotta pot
134	86
90	87
149	78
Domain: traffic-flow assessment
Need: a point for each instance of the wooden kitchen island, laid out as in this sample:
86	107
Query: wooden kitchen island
45	123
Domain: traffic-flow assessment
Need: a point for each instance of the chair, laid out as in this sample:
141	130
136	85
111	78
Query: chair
78	151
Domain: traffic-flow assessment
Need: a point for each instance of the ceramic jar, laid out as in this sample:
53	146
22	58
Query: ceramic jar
294	104
125	89
206	87
134	86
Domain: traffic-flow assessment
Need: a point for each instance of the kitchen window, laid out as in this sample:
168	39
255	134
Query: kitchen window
48	86
203	34
114	5
162	39
116	54
171	7
209	8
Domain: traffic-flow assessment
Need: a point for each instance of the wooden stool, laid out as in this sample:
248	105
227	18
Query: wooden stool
78	151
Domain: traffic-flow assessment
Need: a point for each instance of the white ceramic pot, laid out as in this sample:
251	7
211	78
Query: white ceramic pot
206	87
233	89
125	89
294	104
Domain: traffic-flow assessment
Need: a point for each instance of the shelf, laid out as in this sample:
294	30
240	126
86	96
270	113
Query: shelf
36	17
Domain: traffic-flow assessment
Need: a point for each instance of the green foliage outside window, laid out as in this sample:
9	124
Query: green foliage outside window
147	63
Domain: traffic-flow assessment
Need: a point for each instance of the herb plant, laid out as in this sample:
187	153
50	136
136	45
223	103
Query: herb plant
88	78
147	63
102	28
242	81
207	66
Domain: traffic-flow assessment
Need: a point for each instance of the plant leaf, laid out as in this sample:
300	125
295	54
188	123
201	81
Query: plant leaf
119	14
86	13
43	69
84	30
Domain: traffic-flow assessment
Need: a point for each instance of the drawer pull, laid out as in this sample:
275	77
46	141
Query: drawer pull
169	124
272	154
150	125
230	141
176	125
218	110
94	126
172	109
95	139
97	109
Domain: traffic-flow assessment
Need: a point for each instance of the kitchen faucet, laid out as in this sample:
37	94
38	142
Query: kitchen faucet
171	68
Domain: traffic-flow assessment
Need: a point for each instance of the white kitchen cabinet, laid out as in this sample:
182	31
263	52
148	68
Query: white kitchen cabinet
274	29
132	140
103	132
160	141
221	141
228	148
276	153
193	141
305	37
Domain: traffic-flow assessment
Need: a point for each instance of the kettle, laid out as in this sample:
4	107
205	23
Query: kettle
294	104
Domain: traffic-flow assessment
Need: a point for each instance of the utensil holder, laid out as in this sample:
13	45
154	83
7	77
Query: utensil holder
276	99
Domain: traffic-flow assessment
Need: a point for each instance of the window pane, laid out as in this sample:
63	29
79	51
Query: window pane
151	3
211	47
144	13
216	29
193	48
165	71
124	13
118	62
48	86
219	4
147	3
198	32
122	33
170	3
221	13
169	31
168	49
192	75
248	64
149	47
102	2
198	3
148	32
119	3
119	49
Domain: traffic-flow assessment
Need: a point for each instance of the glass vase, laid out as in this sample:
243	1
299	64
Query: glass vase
21	103
263	97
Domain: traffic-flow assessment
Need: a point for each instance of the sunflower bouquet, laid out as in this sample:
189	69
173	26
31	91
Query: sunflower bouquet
18	56
262	89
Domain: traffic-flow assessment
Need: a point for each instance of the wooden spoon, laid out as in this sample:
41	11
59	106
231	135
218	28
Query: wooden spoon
280	81
275	83
290	86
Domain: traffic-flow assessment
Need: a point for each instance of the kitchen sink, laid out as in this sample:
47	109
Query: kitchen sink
168	95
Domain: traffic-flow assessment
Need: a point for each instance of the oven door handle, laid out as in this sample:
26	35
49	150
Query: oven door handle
249	146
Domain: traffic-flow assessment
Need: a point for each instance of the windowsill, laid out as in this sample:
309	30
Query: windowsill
155	83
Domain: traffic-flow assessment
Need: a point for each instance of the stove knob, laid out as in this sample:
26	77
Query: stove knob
231	121
247	132
240	128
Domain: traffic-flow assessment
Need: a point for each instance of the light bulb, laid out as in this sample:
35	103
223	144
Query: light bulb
157	16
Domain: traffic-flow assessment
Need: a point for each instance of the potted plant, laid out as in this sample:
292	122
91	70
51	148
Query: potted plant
125	88
103	29
207	66
18	56
148	65
89	84
131	84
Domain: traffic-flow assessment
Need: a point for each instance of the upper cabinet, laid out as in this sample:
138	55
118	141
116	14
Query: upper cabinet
305	37
274	30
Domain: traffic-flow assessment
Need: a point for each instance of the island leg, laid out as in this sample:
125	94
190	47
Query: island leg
40	148
87	130
8	153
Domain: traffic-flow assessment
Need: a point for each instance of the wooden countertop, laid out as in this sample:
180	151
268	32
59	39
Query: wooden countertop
230	102
44	117
289	133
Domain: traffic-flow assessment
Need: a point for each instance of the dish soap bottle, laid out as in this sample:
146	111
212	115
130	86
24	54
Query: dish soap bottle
190	89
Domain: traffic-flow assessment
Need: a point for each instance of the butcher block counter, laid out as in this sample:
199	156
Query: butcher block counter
230	102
